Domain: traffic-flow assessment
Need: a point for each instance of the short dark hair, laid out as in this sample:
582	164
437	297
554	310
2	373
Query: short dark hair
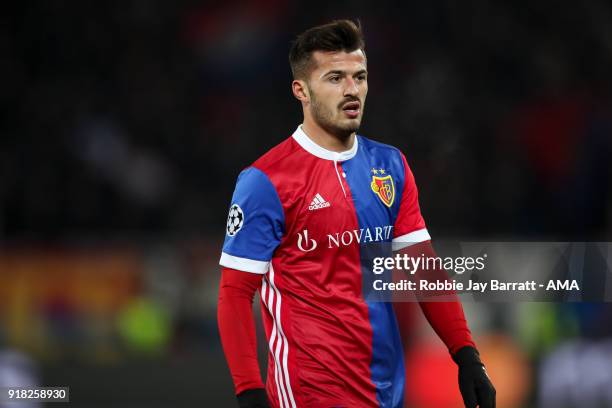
338	35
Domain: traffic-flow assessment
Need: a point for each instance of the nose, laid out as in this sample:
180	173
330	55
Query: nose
351	87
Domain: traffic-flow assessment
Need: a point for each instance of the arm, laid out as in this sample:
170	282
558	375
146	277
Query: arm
254	229
237	330
445	317
448	321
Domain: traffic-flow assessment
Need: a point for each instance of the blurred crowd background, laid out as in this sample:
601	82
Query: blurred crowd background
125	124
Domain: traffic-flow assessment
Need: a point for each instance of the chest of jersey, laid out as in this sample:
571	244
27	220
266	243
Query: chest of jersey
335	210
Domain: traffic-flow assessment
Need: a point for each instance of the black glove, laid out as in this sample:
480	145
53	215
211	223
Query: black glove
474	383
255	398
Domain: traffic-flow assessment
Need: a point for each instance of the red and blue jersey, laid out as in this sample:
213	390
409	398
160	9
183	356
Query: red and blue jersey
299	216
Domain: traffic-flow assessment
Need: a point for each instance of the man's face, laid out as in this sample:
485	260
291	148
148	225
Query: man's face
338	86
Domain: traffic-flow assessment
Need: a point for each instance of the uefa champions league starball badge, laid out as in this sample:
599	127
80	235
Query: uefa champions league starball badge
235	219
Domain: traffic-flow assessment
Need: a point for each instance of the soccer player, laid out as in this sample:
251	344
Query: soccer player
297	219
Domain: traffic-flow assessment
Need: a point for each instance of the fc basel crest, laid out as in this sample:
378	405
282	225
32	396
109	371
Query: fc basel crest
384	188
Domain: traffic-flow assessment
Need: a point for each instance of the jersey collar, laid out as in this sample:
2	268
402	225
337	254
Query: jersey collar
311	147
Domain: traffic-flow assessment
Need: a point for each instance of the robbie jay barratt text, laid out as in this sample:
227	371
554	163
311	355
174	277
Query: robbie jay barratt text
475	286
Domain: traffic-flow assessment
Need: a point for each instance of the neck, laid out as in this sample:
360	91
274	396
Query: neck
327	139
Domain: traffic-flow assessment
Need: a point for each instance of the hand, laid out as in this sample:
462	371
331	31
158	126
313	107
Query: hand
474	383
254	398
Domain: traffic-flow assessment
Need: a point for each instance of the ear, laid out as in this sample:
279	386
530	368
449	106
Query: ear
300	90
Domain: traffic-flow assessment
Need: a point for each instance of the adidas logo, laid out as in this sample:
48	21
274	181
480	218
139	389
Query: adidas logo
318	202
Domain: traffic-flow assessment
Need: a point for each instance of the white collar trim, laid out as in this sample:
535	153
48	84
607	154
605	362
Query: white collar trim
311	147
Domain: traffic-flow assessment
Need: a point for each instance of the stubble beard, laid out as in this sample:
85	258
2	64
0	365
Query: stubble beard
329	121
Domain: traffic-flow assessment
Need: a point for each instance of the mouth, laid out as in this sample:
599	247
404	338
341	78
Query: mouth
352	109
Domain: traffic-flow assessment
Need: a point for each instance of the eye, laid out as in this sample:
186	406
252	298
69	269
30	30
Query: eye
334	79
361	77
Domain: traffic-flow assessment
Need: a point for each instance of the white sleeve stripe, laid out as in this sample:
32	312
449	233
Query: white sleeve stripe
411	238
244	264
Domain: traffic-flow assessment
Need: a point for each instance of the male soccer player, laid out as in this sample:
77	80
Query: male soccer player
296	221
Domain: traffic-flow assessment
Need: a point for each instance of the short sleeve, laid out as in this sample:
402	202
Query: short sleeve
409	225
255	224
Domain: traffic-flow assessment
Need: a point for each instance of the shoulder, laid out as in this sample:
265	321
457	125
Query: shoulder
278	156
382	152
378	148
263	175
390	157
